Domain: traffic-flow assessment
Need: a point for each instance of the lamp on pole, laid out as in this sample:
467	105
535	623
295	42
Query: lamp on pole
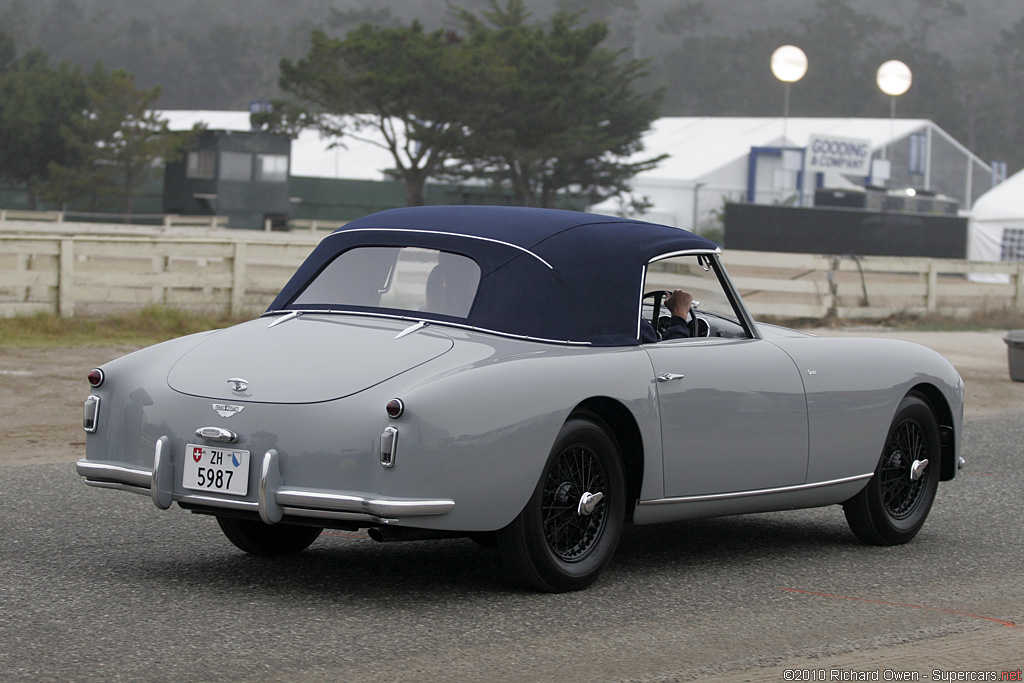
894	79
789	64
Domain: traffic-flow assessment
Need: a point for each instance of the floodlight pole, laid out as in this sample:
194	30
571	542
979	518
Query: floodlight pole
785	117
788	64
893	78
892	124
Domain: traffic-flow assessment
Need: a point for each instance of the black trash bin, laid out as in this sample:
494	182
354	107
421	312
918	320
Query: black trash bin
1015	354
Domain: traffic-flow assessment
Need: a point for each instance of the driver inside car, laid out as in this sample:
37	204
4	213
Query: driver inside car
678	303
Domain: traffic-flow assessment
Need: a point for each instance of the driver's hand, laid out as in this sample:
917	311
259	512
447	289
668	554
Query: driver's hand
679	302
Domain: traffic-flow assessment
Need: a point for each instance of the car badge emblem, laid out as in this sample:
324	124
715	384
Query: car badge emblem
238	384
227	410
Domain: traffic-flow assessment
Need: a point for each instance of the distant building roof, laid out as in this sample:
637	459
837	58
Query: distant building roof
312	154
699	145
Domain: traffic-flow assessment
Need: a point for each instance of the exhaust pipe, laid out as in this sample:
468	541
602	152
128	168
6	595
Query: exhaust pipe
390	534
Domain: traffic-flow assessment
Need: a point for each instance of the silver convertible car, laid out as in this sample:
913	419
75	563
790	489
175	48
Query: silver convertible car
515	376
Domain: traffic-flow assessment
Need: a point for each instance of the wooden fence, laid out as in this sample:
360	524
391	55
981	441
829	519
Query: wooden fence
872	287
235	272
240	272
168	220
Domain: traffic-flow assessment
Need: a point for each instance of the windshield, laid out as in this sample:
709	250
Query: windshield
398	278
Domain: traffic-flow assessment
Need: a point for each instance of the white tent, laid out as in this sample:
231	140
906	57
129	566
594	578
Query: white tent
712	160
996	224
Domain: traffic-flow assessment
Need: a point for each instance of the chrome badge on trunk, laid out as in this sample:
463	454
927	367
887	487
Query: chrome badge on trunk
226	410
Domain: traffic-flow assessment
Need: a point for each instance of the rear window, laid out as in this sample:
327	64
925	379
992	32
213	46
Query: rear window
399	278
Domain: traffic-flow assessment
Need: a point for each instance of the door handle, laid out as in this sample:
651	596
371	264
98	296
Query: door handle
668	377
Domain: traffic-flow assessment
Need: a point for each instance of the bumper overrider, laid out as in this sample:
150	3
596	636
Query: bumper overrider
274	500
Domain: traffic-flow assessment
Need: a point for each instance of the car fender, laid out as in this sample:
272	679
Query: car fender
482	437
854	387
134	385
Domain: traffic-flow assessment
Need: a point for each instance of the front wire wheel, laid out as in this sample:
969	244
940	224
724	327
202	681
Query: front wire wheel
893	506
568	531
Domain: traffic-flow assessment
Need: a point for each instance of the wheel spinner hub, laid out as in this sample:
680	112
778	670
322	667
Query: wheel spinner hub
903	472
573	516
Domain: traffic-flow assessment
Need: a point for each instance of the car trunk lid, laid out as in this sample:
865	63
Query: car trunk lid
304	359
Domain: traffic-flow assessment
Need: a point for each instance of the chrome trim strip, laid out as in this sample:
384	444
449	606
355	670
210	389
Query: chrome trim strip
117	486
293	314
758	492
347	502
640	306
103	472
446	234
412	328
331	514
685	252
219	502
460	326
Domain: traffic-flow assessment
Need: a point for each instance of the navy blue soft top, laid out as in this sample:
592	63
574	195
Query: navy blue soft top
545	273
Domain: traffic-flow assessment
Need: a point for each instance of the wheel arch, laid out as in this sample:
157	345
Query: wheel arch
623	428
947	425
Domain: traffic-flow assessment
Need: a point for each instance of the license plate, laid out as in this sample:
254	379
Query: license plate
223	470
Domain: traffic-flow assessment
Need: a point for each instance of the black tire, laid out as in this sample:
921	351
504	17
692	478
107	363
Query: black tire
892	508
551	546
267	540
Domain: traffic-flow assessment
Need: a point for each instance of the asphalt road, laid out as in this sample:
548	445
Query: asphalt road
100	585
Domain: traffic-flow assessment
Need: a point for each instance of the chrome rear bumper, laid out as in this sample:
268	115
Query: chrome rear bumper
275	500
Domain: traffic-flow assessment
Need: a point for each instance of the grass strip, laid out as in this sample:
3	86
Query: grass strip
146	326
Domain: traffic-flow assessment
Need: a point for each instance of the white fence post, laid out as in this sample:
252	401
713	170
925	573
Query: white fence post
1018	301
932	296
238	279
159	293
66	279
23	262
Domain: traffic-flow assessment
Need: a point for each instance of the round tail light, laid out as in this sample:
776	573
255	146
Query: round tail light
96	377
395	408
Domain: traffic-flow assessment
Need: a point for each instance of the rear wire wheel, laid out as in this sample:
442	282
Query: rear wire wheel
267	540
567	533
893	506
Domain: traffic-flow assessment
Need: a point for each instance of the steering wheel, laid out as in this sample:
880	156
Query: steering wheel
697	327
662	322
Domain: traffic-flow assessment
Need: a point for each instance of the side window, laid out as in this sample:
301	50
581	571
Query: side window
235	166
698	275
272	168
399	278
201	164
